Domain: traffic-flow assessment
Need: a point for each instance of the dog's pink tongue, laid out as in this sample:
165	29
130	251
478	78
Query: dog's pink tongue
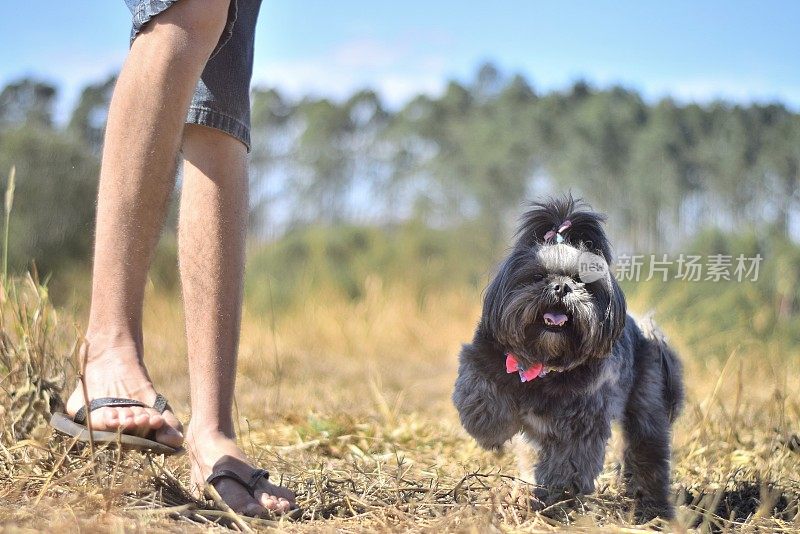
558	319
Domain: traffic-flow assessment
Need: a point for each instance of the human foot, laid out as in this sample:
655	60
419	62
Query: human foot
118	372
212	452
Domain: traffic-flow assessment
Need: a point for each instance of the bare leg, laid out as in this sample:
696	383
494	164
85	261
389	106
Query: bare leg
211	237
143	135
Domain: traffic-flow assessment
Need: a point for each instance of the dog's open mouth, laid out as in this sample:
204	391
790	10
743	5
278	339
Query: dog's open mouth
555	320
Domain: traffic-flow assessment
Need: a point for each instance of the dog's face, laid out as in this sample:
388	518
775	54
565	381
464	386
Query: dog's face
543	307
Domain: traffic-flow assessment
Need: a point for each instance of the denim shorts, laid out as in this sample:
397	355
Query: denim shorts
222	97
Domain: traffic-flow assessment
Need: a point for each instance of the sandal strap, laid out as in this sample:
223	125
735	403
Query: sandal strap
255	476
159	405
103	402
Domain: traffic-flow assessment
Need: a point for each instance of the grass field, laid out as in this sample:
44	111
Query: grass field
348	402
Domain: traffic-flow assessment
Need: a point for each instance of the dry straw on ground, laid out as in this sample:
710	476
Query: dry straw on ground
348	403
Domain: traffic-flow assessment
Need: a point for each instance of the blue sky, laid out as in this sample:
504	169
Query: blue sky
693	51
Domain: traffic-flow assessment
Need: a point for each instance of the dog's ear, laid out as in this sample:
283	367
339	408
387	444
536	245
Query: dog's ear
516	268
496	291
615	316
571	218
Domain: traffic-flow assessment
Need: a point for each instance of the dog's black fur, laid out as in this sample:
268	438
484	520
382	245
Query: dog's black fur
611	367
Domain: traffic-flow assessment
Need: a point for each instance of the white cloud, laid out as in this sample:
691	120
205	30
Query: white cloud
397	70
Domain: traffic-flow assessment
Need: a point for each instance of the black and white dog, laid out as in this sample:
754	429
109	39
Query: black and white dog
556	357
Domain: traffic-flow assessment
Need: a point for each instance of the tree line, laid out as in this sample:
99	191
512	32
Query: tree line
660	170
469	156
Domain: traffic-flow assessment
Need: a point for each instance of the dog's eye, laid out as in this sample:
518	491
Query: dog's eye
537	277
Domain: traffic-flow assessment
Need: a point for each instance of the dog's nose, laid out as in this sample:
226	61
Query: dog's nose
560	288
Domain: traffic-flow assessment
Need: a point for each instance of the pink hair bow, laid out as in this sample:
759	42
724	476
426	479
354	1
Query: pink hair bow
557	233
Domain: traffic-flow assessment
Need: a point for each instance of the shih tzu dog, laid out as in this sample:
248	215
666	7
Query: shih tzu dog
556	357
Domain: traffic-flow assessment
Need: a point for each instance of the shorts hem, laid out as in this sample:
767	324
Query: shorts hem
220	121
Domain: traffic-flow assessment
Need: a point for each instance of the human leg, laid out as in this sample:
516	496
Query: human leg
143	135
213	219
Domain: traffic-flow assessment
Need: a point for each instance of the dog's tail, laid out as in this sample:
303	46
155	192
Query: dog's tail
671	367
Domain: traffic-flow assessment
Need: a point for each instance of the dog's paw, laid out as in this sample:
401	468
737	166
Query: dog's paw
645	510
551	496
498	451
554	503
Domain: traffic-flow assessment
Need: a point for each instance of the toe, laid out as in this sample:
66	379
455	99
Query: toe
125	417
169	436
141	420
269	502
155	421
135	420
128	425
110	419
170	433
275	498
284	505
274	504
146	418
283	493
123	421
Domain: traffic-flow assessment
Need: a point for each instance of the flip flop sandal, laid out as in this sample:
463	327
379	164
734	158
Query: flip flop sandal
76	426
249	485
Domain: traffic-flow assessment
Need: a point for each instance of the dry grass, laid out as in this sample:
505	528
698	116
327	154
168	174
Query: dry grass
349	404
